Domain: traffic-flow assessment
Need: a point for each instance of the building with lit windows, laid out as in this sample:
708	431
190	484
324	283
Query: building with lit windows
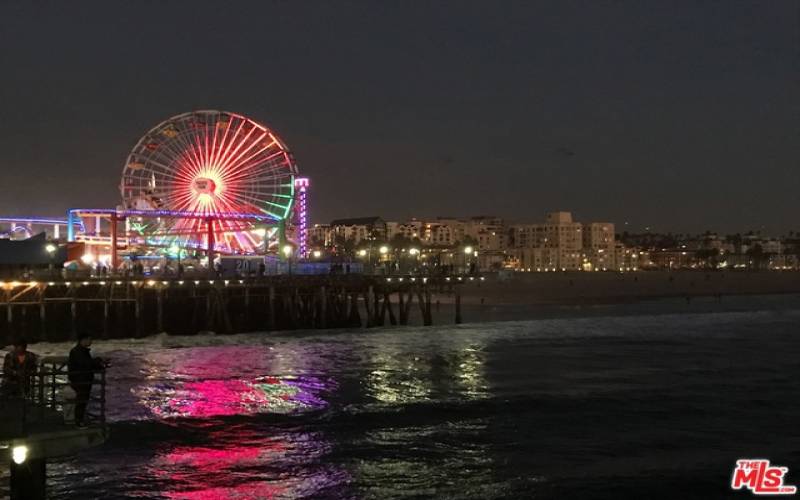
561	244
358	230
559	240
411	229
598	246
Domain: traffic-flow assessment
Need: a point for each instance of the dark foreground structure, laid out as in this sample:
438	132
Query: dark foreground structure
113	308
39	425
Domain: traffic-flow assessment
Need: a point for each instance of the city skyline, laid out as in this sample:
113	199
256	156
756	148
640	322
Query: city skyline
680	118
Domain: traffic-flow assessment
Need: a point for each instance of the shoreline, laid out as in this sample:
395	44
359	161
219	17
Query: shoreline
530	296
611	287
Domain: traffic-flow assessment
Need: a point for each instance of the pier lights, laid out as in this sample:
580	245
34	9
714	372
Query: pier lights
51	251
468	252
287	252
19	454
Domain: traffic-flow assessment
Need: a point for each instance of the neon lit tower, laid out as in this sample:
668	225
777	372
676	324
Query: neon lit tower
301	185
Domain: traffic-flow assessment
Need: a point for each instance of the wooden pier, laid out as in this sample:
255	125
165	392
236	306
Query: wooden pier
135	307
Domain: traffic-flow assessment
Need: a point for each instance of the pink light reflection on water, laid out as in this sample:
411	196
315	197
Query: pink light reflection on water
254	491
284	465
231	380
196	472
215	398
246	458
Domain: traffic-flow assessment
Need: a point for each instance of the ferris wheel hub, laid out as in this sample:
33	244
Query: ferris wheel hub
204	185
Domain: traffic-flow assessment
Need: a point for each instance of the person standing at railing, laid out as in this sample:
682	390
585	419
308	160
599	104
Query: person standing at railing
82	367
19	366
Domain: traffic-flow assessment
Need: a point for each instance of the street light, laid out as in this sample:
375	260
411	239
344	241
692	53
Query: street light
384	250
362	253
317	254
51	250
287	252
414	253
467	254
19	454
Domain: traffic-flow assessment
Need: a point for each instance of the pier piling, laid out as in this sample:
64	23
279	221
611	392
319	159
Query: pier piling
55	311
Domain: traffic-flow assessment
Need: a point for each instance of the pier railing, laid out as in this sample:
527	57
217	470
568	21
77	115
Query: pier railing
56	392
48	399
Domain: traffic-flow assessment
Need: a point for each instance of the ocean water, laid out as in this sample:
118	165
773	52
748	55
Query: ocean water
621	406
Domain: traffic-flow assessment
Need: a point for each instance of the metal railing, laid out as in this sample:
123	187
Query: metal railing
51	399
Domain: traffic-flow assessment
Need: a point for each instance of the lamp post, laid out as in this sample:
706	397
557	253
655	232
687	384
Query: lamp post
414	252
287	252
51	250
467	254
363	253
383	250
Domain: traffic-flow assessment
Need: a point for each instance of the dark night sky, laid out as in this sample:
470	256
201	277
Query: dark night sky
679	115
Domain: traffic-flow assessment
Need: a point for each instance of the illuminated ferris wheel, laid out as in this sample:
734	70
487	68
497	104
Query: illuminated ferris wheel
235	173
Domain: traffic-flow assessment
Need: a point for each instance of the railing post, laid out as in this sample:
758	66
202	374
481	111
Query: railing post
41	384
103	397
53	388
